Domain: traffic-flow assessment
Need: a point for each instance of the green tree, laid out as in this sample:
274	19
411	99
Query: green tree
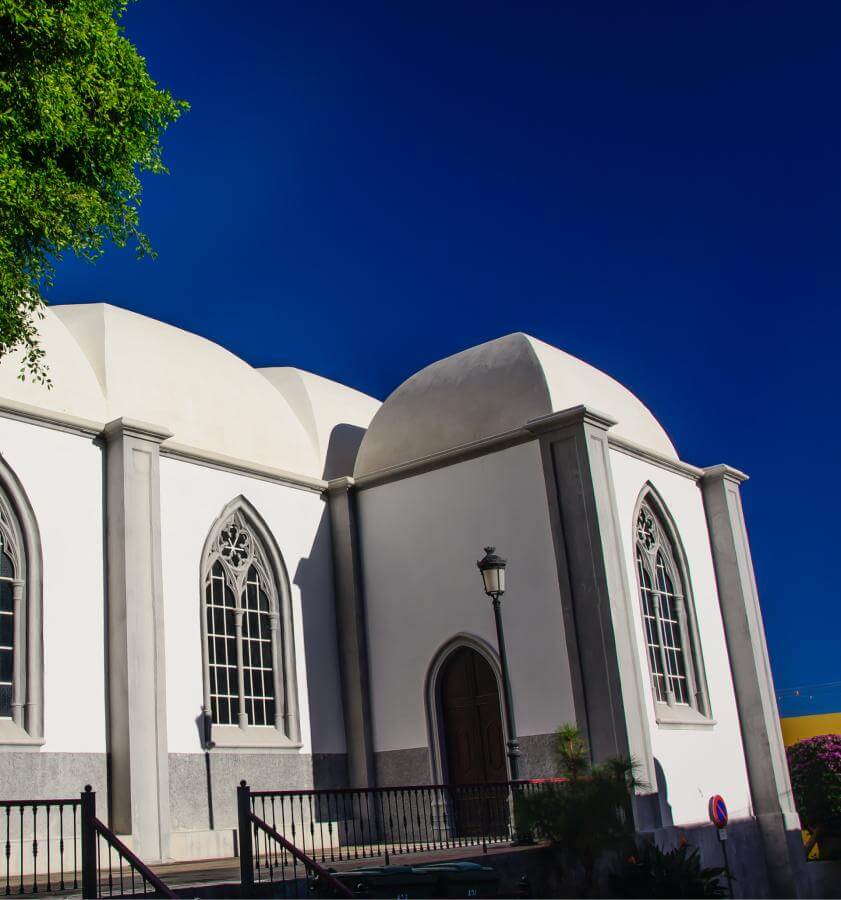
80	120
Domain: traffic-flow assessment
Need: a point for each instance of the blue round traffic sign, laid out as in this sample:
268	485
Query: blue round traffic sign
718	811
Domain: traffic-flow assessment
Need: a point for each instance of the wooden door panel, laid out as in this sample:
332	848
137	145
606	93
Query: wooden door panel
472	720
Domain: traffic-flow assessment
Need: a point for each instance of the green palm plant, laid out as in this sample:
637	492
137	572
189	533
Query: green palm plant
588	814
659	873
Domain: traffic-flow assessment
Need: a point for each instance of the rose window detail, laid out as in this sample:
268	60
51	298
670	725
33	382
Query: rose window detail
235	545
646	529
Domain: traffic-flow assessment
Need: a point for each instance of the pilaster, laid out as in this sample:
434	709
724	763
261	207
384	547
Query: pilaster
608	686
352	632
752	680
136	663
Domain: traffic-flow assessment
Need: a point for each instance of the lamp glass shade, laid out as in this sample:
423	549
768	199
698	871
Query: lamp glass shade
494	579
492	568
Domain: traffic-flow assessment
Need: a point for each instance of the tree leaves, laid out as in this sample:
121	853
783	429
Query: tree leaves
80	119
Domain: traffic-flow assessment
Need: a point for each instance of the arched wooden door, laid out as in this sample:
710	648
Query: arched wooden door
473	739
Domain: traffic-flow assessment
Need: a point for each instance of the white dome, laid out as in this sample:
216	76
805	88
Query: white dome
207	397
335	416
494	388
76	390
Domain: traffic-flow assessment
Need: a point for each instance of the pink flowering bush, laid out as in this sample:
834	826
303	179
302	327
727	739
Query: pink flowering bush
815	766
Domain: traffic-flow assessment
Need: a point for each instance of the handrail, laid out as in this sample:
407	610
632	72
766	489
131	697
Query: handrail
69	801
311	792
136	862
307	861
92	830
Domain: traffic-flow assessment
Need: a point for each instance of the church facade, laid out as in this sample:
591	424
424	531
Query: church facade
211	572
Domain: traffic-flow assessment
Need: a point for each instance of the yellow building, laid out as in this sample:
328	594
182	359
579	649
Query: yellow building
798	728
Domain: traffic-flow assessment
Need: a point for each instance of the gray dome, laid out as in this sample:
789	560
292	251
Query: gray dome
493	388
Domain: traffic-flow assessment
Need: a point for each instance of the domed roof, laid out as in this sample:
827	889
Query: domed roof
75	389
154	372
335	416
493	388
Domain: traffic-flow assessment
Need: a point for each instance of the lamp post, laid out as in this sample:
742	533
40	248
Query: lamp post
492	568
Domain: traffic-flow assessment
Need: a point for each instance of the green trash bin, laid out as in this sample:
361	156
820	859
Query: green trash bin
463	879
394	882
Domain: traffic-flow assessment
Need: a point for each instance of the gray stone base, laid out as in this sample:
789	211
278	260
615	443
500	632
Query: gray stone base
414	766
203	787
403	767
47	776
329	771
538	759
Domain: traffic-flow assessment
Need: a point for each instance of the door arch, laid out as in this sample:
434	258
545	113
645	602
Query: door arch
467	716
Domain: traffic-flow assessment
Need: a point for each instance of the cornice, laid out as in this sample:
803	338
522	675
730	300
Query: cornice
341	484
25	412
125	427
529	432
575	415
200	457
723	472
622	445
89	428
35	415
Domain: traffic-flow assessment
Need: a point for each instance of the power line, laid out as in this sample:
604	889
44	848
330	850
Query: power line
808	689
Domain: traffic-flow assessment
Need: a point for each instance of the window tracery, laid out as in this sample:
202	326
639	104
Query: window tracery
670	639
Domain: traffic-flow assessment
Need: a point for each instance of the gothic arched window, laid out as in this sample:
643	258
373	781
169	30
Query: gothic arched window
21	663
671	636
247	630
12	616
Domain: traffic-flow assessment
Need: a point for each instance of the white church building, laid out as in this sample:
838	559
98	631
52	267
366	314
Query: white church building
211	572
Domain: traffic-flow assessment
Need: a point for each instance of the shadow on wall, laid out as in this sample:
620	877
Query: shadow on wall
666	819
341	451
314	578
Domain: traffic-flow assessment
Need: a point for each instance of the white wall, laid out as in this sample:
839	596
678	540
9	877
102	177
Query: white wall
697	761
420	539
192	498
62	476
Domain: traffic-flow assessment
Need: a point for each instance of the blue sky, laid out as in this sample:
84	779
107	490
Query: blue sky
360	189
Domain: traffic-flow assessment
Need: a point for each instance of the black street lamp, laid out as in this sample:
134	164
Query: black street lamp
492	568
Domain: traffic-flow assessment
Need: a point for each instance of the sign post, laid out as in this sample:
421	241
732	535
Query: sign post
719	818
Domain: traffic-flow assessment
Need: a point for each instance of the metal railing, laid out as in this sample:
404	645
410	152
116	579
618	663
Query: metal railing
365	823
41	846
109	868
267	856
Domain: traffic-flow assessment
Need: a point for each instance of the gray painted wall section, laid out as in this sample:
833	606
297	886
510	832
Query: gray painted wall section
351	632
752	680
135	658
606	678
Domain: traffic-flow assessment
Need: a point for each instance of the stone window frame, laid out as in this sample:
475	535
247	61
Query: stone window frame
698	711
286	733
19	526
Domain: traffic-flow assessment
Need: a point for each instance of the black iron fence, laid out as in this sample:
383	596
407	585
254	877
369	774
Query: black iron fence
41	847
109	867
266	856
364	823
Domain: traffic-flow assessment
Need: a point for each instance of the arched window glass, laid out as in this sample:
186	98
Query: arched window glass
21	663
249	657
668	618
9	645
